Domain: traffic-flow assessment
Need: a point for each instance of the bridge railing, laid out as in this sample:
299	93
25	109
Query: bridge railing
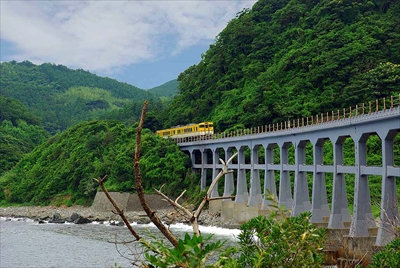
378	105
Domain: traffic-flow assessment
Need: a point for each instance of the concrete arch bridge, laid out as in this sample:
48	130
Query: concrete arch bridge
287	159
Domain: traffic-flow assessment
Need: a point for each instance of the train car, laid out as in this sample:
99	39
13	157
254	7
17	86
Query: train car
200	129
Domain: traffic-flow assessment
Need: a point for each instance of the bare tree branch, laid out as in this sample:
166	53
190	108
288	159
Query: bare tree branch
175	203
119	211
194	217
139	188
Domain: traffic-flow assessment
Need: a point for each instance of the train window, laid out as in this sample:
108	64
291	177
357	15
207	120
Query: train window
179	131
201	126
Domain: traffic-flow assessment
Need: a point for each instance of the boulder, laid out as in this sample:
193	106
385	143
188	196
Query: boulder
74	216
78	219
82	220
56	218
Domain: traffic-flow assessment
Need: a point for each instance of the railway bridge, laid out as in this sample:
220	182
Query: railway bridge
287	160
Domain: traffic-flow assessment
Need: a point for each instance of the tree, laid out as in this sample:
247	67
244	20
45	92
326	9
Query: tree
282	241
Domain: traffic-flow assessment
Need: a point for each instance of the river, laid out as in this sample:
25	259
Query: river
26	243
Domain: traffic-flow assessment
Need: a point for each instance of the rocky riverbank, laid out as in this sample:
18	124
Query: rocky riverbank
62	214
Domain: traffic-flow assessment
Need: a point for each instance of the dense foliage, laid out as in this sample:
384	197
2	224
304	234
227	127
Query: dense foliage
169	89
287	59
62	168
191	252
280	241
20	132
281	59
274	241
62	97
389	256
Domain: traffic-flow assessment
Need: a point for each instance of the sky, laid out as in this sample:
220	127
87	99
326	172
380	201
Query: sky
143	43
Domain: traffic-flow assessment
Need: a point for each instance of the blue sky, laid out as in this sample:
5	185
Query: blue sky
143	43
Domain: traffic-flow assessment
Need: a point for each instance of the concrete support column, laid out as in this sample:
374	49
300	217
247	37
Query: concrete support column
362	216
285	189
193	160
389	200
320	207
340	208
255	197
215	172
192	157
203	178
301	196
229	186
241	194
269	177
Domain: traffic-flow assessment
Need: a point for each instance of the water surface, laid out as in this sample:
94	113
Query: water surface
25	243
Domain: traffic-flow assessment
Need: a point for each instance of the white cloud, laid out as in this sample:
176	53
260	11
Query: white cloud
107	35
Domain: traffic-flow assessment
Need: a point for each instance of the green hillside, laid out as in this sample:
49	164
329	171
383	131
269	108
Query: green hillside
62	97
169	89
286	59
280	60
20	132
62	168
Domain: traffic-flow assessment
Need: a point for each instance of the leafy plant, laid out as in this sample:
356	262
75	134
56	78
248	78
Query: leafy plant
388	257
280	241
192	251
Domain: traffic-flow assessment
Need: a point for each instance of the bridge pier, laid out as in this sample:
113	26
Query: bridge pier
215	172
340	209
204	160
301	195
362	215
285	189
255	198
229	186
241	192
320	208
389	211
269	178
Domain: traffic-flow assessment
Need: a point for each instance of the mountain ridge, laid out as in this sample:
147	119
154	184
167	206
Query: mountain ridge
62	97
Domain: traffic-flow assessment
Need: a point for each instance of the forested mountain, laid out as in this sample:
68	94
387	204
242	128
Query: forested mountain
282	59
62	97
285	59
62	169
169	89
20	132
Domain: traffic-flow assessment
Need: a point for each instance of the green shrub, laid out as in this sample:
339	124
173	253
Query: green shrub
388	257
191	252
279	241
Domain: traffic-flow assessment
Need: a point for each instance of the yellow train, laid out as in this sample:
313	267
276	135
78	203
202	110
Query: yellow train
200	129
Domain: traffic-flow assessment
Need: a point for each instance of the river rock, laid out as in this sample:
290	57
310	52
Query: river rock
82	220
56	218
78	219
74	216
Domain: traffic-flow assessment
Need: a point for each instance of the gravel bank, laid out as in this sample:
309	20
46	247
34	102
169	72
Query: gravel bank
46	212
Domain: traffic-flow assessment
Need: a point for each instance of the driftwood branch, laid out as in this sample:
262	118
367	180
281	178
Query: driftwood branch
119	211
194	217
139	188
